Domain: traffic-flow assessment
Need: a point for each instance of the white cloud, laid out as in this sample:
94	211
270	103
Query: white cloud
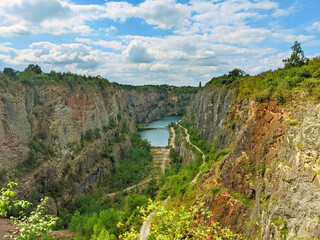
287	37
228	12
284	12
22	17
137	52
239	34
315	26
102	43
161	13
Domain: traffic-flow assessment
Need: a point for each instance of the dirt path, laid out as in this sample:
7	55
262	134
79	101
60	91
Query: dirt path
6	227
173	137
188	140
139	185
194	180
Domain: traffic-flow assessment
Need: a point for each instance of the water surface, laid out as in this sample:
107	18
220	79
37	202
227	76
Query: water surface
159	136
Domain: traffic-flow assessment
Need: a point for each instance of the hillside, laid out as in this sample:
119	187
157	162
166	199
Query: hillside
267	187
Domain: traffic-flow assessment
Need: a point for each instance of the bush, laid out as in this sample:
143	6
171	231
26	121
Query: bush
182	223
31	226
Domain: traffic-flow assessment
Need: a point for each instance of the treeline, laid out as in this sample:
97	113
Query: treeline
33	75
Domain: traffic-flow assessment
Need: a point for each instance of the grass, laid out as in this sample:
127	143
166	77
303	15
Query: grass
300	145
292	122
283	163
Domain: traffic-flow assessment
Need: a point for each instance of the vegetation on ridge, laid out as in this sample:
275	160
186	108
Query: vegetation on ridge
300	77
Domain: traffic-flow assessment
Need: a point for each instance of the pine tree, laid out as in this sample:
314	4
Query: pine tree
297	57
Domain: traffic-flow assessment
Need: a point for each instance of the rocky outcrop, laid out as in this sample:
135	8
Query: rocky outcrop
268	185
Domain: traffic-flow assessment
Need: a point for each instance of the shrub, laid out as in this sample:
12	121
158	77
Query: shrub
31	226
182	223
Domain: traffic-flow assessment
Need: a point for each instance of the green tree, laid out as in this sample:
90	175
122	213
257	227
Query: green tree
297	57
10	72
236	73
34	68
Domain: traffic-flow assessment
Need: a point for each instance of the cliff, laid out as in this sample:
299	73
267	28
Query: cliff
267	187
59	139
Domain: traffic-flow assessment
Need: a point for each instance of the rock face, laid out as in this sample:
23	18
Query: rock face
72	137
268	185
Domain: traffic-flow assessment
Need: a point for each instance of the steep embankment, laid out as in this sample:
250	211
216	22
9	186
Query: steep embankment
58	140
268	186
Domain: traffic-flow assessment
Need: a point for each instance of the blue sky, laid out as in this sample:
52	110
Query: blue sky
179	42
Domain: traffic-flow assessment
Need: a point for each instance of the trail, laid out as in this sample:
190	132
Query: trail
188	140
173	137
194	180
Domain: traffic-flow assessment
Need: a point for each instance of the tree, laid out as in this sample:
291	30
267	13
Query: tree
10	72
297	57
34	68
200	84
236	73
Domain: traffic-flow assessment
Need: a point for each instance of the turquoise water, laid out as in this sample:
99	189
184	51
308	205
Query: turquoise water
159	137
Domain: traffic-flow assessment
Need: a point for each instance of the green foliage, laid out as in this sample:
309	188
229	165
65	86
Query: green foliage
195	137
31	226
91	135
292	122
34	68
176	160
232	79
262	169
297	58
95	219
281	225
176	183
300	145
11	73
278	161
134	167
217	156
283	84
37	151
181	223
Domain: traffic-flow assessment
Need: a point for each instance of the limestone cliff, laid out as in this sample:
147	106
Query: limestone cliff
59	140
268	185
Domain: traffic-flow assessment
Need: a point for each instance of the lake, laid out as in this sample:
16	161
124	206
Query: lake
159	136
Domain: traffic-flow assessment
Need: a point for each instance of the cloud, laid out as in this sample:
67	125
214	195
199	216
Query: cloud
314	27
161	13
228	12
62	57
137	52
284	12
26	17
287	37
102	43
239	34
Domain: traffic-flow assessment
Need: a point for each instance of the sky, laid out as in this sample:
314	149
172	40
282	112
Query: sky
176	42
